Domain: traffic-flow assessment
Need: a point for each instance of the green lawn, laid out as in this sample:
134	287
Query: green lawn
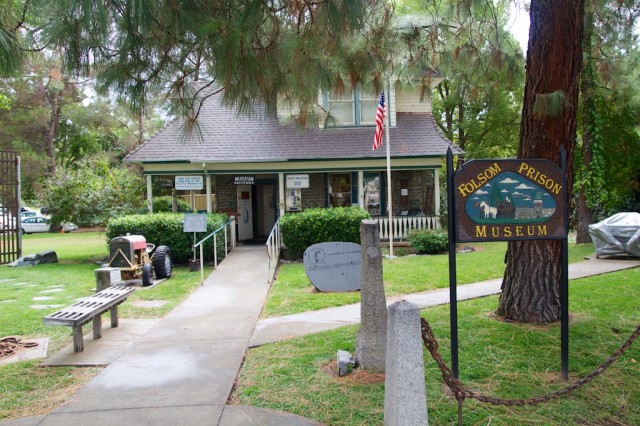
292	292
27	294
499	358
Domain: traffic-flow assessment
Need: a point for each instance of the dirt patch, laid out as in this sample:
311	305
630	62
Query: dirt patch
361	377
149	303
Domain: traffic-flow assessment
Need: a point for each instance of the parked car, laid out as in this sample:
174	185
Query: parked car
35	224
68	227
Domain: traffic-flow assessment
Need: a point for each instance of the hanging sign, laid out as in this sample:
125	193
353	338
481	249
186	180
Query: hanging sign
505	200
244	180
189	182
297	181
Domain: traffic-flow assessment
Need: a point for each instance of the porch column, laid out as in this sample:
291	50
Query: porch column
149	194
436	187
209	209
281	203
361	189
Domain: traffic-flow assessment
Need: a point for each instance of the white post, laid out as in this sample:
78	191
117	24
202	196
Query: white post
149	194
201	264
361	189
436	183
215	251
281	201
209	209
232	225
389	203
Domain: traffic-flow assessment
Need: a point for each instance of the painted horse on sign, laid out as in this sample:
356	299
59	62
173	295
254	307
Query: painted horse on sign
489	212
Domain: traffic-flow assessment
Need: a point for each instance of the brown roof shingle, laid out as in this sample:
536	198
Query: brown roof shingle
223	136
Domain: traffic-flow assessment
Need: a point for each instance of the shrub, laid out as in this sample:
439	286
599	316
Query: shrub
163	205
92	192
300	230
165	229
429	241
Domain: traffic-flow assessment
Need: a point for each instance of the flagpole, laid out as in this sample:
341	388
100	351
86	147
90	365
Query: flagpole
389	204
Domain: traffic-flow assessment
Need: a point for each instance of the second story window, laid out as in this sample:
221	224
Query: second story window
352	107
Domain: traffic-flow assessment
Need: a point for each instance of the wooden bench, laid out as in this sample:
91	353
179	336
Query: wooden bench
87	309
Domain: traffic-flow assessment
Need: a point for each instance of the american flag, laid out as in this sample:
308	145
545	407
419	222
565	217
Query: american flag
377	140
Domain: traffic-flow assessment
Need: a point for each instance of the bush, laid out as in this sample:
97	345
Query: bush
165	229
92	192
429	241
301	230
163	205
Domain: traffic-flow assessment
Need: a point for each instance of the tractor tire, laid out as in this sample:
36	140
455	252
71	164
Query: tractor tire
147	273
162	262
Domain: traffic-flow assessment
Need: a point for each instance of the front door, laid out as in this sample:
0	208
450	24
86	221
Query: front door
245	213
268	209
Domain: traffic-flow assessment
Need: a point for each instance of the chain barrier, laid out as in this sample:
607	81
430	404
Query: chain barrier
10	344
461	392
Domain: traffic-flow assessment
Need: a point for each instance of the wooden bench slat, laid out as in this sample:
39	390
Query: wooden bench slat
87	309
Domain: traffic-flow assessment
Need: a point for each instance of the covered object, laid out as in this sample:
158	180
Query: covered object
618	234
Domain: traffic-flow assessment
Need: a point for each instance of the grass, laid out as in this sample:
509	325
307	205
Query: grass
31	390
502	359
292	292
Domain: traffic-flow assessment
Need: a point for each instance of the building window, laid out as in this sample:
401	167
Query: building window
372	195
352	107
339	189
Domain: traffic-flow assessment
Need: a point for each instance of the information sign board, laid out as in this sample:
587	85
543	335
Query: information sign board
189	183
297	181
195	223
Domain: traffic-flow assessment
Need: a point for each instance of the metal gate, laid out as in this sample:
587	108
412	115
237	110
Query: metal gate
10	235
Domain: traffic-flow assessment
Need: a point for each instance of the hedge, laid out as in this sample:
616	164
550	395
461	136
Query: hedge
165	229
429	241
301	230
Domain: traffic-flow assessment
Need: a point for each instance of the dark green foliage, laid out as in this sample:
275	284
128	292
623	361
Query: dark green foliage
429	242
163	205
165	229
300	230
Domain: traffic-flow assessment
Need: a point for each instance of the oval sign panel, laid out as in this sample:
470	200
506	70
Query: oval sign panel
334	266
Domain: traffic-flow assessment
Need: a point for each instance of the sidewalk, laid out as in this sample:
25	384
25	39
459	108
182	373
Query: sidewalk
182	370
275	329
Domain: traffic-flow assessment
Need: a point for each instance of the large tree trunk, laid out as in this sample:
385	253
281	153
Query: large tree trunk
530	288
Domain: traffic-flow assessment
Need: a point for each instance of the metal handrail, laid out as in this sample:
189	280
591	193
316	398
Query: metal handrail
214	234
274	245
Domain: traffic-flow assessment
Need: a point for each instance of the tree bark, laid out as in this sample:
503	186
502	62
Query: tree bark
530	288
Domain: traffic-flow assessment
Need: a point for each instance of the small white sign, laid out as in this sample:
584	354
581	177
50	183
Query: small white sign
297	181
189	182
244	180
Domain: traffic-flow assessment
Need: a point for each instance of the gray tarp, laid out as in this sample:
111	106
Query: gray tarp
618	234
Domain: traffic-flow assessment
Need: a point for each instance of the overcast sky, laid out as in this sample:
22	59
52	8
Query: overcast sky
519	23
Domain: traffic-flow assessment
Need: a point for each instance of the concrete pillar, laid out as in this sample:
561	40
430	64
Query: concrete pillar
371	339
106	277
405	396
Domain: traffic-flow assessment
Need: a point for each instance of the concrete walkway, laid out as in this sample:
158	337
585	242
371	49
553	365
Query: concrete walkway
275	329
182	370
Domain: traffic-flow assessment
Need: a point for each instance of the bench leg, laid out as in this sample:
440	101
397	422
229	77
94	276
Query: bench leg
78	343
97	326
114	316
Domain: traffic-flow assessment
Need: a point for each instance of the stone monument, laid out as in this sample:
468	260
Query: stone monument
371	339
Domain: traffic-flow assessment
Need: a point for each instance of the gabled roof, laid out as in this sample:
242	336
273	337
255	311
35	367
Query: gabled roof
224	136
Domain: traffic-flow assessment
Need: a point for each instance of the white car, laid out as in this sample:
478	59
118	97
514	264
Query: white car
35	224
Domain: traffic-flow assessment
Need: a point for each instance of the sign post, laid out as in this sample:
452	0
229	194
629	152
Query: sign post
508	200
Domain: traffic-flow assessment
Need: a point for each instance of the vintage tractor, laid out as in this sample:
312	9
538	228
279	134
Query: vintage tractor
137	259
